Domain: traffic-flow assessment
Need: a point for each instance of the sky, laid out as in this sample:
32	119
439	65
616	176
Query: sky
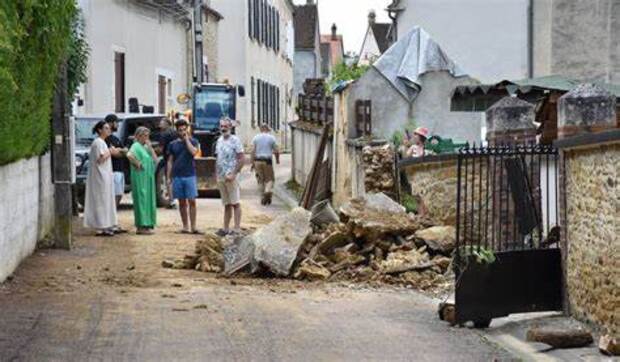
351	17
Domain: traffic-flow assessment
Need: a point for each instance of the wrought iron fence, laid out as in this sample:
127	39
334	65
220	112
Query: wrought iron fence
507	198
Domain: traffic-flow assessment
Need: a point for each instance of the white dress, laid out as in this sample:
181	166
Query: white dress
99	205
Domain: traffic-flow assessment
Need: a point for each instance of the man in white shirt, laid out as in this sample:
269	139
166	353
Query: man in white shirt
229	162
265	147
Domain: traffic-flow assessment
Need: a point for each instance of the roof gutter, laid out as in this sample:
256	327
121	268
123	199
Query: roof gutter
530	39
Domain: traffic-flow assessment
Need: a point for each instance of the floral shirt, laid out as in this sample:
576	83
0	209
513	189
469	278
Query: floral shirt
226	151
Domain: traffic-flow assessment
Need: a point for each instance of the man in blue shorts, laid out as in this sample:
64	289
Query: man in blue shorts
181	172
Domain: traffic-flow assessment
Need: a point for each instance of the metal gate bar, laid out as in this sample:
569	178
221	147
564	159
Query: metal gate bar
507	206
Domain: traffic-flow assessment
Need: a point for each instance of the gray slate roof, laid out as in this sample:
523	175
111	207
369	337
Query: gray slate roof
306	18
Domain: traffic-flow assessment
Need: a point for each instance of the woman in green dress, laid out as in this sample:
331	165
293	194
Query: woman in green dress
143	159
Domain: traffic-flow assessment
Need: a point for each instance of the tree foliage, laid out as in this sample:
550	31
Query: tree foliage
34	39
344	72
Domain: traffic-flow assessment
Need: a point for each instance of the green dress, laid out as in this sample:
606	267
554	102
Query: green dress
143	187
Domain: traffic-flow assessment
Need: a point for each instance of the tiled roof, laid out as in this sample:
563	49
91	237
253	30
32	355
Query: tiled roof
336	47
306	17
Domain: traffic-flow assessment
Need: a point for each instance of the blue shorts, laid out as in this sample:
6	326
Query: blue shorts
184	188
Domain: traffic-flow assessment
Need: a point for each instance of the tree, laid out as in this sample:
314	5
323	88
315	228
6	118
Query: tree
343	72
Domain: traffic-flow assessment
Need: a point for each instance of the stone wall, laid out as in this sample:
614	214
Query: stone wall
26	209
593	233
434	182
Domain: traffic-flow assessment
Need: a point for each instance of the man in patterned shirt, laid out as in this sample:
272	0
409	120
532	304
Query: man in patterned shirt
229	162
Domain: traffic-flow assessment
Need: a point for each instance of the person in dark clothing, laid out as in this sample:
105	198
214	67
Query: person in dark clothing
165	136
119	158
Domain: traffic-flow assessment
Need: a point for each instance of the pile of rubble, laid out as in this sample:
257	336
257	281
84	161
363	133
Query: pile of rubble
378	164
370	240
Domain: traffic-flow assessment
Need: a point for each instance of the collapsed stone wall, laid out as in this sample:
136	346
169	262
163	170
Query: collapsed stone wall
378	164
434	184
593	234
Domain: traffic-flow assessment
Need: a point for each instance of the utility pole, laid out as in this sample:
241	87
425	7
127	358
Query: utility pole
198	40
62	163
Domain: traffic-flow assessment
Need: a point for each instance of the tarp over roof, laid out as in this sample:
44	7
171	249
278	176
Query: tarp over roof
479	97
409	58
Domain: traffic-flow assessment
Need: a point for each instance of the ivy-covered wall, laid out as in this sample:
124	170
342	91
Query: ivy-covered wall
34	37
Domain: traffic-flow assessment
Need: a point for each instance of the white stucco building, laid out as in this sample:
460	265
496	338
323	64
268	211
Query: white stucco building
375	41
256	46
487	38
137	51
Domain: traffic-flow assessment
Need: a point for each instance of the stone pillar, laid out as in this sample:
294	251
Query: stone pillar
511	121
586	108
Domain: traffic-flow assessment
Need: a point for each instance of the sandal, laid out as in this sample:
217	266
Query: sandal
119	231
145	232
183	231
197	232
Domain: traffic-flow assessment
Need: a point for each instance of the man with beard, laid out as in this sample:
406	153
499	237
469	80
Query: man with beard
119	159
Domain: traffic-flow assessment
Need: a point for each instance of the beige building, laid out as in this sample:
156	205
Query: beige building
255	49
138	50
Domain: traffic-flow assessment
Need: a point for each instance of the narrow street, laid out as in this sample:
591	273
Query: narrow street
110	299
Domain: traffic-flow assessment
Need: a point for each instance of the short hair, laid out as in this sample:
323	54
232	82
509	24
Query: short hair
141	130
265	126
226	121
99	126
111	118
180	123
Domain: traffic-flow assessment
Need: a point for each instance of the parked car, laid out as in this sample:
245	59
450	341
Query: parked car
127	125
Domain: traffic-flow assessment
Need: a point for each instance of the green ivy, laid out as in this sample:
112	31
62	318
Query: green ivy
34	39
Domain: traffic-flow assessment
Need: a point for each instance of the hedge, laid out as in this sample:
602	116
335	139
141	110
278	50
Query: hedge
34	38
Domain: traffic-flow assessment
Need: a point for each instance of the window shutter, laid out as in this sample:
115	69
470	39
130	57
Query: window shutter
252	102
250	18
277	108
277	31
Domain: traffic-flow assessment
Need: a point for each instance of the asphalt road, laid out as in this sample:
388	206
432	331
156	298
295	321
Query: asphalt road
110	300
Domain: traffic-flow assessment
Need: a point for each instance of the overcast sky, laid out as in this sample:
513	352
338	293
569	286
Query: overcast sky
351	17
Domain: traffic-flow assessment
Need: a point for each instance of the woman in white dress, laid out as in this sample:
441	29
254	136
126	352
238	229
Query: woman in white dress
99	205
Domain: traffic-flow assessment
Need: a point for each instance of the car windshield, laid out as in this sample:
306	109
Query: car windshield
211	105
84	130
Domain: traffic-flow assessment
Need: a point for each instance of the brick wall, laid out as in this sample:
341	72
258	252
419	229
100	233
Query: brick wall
592	235
26	209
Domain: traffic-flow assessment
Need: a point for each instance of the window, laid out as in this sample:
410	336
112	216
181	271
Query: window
267	103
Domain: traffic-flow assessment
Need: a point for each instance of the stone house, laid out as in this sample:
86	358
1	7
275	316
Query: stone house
255	49
376	40
138	49
308	59
332	51
211	20
393	105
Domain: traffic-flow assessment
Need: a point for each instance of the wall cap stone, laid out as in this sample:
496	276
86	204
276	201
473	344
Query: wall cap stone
589	140
431	159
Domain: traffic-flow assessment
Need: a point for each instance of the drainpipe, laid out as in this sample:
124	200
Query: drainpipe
530	39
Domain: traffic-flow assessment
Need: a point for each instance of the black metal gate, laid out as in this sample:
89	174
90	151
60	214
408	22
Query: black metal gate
507	257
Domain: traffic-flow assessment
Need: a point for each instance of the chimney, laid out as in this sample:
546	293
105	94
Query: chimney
372	16
334	31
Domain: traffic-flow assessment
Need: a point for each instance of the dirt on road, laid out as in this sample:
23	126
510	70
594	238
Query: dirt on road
110	299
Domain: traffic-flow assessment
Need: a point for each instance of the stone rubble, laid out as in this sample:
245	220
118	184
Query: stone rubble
379	171
374	242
